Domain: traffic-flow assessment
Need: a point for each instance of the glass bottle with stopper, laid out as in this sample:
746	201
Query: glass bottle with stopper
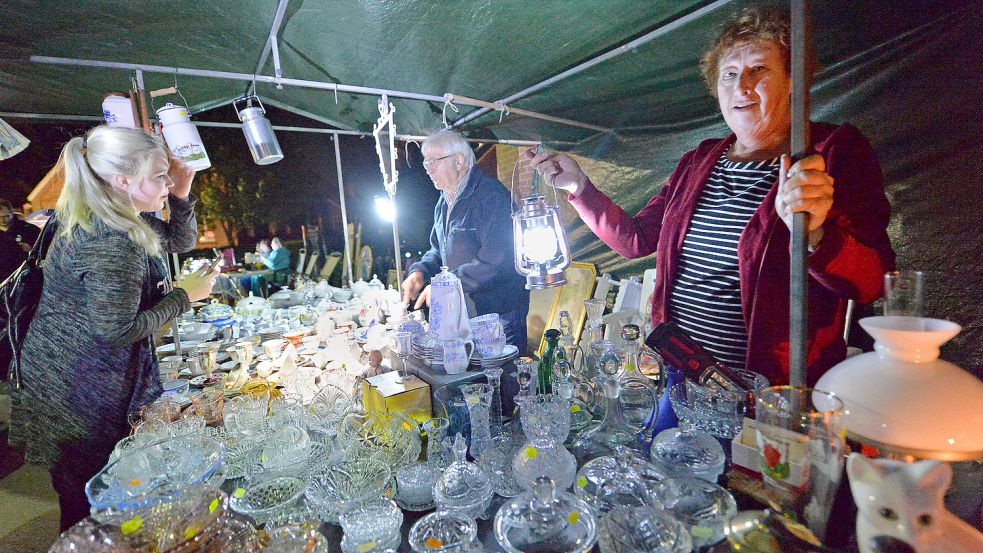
613	431
544	373
565	384
639	395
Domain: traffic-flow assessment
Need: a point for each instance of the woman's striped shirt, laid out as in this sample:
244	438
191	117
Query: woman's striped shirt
706	294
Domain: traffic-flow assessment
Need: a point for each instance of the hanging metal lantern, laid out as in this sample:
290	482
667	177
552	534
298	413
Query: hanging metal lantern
541	252
259	132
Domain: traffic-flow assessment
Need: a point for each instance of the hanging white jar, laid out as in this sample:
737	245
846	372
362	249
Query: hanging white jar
182	136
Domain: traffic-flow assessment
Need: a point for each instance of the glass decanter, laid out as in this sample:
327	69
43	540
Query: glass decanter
593	332
545	519
639	395
495	418
613	430
478	397
565	387
523	375
611	481
463	488
546	423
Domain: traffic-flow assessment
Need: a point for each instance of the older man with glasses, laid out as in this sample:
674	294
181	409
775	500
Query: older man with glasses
471	235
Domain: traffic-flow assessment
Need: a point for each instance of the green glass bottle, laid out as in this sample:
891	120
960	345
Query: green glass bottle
544	376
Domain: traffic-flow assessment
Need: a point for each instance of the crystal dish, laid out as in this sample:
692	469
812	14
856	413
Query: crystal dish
632	529
265	498
445	532
348	484
158	472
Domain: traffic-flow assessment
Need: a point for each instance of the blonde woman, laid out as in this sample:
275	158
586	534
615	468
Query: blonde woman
88	358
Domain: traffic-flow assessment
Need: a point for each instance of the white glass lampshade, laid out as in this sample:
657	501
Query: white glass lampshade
903	399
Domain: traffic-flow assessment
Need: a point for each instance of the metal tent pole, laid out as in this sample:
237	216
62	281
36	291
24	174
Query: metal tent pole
344	211
398	263
274	31
617	51
404	137
799	277
278	81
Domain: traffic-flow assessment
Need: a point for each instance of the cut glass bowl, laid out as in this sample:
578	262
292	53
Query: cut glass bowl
263	499
155	473
392	438
444	532
346	485
192	519
717	412
329	406
632	529
372	526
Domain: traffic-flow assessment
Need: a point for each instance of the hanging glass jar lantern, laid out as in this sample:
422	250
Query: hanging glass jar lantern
541	252
258	130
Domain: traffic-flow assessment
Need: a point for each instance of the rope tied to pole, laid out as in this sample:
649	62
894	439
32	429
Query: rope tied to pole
448	101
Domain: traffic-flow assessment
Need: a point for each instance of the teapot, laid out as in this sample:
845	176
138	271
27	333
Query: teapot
448	311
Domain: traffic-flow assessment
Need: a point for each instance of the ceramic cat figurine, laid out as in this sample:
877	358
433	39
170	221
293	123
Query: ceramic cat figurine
905	501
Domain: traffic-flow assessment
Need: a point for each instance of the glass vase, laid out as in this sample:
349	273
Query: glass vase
495	418
478	398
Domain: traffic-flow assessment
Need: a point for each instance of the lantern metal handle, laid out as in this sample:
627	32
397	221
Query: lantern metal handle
537	150
249	103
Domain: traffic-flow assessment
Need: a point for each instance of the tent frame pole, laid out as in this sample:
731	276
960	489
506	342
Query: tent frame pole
344	210
278	128
279	82
799	277
274	31
613	53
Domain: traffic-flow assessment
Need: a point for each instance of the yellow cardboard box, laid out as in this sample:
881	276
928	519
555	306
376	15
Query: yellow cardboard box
388	393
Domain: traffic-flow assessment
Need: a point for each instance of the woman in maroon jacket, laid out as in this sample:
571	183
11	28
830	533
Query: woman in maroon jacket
720	225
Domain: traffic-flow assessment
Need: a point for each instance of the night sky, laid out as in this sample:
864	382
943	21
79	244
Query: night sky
308	156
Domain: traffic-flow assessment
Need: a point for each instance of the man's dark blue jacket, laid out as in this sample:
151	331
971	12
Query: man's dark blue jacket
476	243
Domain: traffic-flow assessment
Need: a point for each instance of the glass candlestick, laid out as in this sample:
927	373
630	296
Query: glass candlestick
478	398
495	418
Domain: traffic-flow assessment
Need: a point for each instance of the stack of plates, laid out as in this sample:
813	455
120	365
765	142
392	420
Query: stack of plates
269	334
509	353
423	348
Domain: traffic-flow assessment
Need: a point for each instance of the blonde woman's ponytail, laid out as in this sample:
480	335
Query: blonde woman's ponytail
90	163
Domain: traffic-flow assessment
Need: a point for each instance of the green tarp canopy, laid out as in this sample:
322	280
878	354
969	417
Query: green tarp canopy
909	74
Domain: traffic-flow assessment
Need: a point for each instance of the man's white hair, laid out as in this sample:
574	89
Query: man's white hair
450	143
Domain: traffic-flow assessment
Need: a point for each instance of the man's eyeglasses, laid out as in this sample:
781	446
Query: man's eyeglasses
429	162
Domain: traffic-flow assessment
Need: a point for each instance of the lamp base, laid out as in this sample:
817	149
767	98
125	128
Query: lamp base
546	280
